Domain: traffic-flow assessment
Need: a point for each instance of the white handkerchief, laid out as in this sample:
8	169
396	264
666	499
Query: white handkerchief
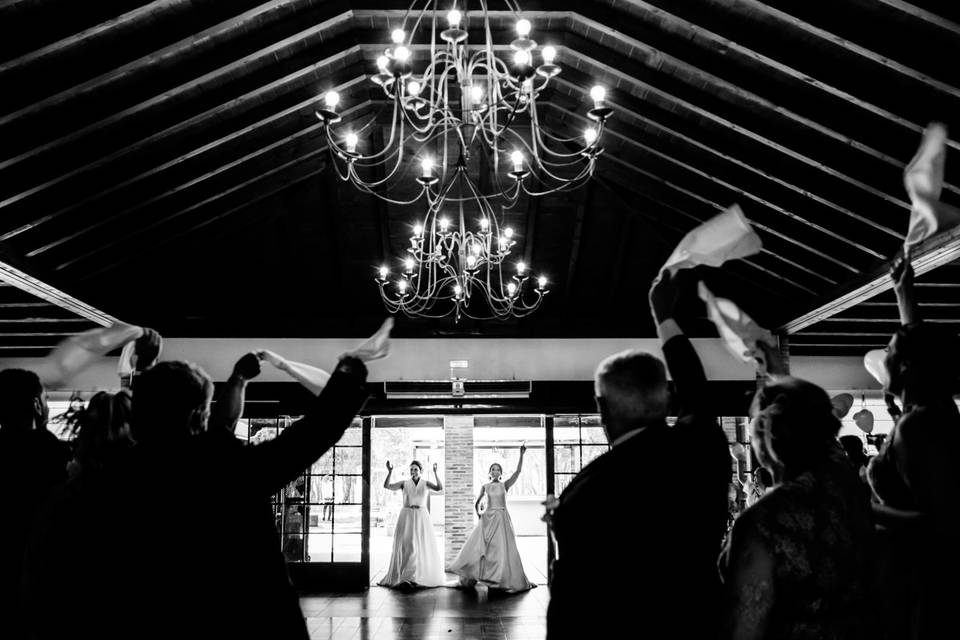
923	179
738	330
726	236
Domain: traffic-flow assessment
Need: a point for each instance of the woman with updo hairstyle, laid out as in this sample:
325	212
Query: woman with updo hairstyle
100	432
796	564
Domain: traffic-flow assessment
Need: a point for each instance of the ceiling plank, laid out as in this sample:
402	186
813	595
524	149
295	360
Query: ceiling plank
665	21
44	291
932	253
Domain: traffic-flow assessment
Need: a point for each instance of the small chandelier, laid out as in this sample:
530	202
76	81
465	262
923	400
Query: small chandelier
452	263
466	97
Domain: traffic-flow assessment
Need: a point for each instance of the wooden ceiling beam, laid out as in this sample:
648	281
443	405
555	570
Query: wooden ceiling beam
932	253
300	77
260	153
766	175
632	141
662	20
44	291
101	250
206	222
922	14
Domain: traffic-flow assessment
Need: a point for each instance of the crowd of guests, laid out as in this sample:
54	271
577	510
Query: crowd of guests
116	534
830	546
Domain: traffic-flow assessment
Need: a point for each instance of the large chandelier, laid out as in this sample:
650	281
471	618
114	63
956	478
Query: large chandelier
466	98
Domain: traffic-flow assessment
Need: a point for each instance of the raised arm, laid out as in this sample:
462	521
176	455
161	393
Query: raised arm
684	364
902	276
516	474
313	378
476	507
79	352
229	406
392	486
439	485
271	465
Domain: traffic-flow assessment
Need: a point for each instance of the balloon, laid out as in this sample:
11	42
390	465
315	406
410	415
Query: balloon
841	405
874	361
864	420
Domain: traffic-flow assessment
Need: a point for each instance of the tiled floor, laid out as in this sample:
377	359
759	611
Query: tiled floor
428	614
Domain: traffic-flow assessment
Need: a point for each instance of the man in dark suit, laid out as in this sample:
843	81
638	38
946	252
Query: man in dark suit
639	529
178	539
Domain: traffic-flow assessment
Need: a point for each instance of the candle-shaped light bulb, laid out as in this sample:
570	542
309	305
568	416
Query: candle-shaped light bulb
444	224
398	36
414	88
517	159
521	58
427	165
484	224
453	18
351	141
521	268
475	248
384	272
382	63
402	286
476	93
417	230
508	233
457	290
471	261
511	289
408	264
401	53
523	27
598	94
503	243
541	282
549	54
590	135
331	99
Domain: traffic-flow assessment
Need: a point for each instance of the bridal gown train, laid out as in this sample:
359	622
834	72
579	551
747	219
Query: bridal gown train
415	558
490	555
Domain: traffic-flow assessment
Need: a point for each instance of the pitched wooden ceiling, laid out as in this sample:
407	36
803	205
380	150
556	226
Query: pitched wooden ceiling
161	160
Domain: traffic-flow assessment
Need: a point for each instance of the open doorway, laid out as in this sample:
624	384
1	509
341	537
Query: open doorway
401	439
497	439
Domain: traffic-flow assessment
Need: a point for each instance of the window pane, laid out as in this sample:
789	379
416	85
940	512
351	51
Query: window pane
349	460
323	466
592	452
319	547
566	458
353	435
348	489
346	547
347	518
560	483
321	488
592	435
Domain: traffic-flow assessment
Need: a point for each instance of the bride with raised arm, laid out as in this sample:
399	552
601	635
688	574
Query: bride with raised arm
415	561
490	556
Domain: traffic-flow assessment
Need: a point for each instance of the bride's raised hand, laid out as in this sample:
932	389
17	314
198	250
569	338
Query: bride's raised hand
389	466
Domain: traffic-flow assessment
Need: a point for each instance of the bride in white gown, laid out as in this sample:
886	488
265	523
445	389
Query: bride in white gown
415	560
490	556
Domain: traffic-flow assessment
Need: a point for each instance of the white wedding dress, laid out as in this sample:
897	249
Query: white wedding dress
490	555
415	559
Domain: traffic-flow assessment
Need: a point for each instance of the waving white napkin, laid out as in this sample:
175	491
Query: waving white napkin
739	331
923	179
726	236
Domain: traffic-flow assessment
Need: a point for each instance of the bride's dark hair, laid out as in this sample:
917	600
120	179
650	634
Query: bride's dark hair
417	462
495	464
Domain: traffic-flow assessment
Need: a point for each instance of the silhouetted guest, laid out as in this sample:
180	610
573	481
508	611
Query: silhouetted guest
797	564
100	431
32	461
634	562
915	476
179	539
